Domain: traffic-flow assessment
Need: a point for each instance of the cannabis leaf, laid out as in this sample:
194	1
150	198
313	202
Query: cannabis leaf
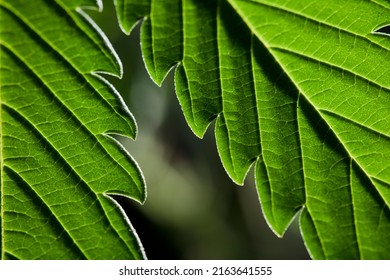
59	161
301	88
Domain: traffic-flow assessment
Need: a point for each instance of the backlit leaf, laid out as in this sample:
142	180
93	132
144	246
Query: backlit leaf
59	161
301	89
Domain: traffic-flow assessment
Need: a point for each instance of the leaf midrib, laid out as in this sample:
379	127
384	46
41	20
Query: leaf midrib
307	17
379	133
328	63
379	4
318	110
270	48
321	113
352	159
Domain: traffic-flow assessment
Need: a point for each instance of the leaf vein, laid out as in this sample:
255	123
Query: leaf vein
54	94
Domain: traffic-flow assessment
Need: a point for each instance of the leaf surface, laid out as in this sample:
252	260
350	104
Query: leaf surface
298	88
59	160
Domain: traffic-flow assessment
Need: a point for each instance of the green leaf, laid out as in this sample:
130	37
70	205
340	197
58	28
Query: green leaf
59	160
298	88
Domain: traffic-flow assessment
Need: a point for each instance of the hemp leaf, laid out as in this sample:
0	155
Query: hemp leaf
59	161
301	89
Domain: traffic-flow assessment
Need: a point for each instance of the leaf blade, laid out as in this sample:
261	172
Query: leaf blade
299	86
55	138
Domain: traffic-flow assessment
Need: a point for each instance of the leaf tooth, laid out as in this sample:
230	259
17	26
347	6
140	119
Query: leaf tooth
383	30
329	201
372	223
162	38
123	161
236	131
108	94
131	12
311	236
55	100
197	78
84	202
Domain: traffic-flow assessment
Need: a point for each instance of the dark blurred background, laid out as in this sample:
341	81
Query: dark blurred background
193	209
